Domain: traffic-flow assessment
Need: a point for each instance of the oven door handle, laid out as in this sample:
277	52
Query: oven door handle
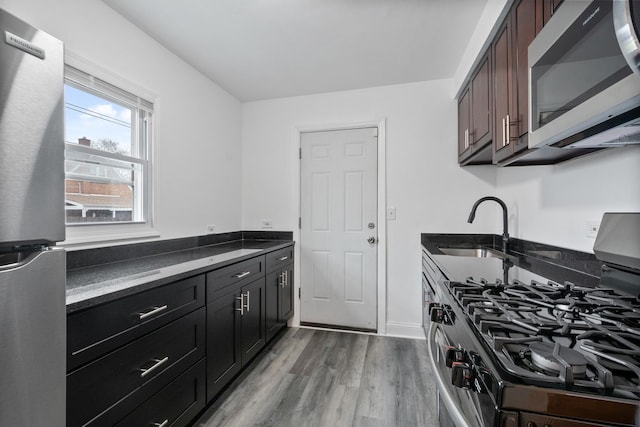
453	410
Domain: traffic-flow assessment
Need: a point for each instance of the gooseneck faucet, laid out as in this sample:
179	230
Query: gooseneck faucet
505	222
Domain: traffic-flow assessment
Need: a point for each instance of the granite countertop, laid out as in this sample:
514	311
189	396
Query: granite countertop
98	284
545	261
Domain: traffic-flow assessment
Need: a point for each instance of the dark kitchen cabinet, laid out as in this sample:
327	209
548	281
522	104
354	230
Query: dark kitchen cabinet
94	332
160	356
235	321
493	107
279	291
122	353
279	300
464	124
252	320
224	342
511	80
475	126
176	405
104	391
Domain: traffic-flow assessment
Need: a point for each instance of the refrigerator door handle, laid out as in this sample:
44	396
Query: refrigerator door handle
15	260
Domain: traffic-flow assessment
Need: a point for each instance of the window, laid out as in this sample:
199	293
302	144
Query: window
107	139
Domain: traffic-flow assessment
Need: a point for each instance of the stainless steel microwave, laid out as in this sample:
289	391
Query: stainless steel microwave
584	76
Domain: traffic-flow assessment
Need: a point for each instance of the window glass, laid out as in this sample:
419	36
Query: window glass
105	123
106	165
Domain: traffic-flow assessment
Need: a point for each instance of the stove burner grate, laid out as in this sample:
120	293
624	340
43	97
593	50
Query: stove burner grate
558	335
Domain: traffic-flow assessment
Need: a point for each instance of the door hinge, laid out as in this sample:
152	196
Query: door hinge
299	223
299	293
300	153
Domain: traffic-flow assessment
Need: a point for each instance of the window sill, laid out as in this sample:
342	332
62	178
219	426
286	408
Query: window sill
88	237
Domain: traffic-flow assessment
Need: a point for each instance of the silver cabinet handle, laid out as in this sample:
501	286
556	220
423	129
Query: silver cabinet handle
508	131
503	132
159	362
281	277
247	306
162	424
154	310
286	278
241	309
241	275
283	258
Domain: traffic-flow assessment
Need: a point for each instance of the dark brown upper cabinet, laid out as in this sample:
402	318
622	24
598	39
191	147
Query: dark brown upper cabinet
494	107
475	109
511	77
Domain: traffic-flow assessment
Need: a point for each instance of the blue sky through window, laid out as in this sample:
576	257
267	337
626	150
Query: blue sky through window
93	117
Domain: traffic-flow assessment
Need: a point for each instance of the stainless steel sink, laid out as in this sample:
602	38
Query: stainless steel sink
474	252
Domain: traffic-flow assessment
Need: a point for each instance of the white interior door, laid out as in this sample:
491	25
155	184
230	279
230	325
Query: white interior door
338	263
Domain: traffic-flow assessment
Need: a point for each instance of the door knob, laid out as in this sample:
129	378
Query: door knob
371	239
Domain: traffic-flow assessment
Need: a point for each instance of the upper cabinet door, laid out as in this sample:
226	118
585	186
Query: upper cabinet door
502	79
463	123
524	26
480	132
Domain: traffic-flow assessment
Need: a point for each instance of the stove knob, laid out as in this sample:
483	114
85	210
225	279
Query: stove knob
461	375
453	355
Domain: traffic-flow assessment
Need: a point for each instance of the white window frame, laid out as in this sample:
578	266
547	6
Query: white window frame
94	79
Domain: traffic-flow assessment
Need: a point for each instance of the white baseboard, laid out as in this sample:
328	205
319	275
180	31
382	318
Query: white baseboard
405	330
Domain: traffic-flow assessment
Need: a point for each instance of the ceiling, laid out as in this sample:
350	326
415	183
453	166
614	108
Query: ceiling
263	49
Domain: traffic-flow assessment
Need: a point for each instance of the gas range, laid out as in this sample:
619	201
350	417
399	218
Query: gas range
513	348
558	335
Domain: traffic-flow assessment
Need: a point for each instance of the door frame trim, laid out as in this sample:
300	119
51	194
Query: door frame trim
381	214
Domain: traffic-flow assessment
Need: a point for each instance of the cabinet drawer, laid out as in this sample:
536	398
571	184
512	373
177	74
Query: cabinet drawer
220	281
279	258
98	330
175	405
96	392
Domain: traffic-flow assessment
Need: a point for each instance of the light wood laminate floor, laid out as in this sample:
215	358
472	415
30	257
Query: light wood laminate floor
324	378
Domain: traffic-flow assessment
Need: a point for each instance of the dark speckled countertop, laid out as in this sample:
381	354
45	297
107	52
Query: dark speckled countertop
98	284
551	262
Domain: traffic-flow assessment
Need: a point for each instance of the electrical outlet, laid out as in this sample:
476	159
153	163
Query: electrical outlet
211	229
267	223
592	228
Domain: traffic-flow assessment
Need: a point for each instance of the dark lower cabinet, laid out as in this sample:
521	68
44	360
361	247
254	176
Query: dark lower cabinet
224	342
252	321
285	297
235	333
159	357
279	300
104	391
176	405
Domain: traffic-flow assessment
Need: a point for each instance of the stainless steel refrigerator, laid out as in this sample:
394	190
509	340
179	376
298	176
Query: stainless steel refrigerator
32	270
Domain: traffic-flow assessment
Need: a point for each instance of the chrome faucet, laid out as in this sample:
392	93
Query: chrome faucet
505	223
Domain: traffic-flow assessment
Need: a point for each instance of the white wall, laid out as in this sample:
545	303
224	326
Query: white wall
197	153
430	192
552	204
